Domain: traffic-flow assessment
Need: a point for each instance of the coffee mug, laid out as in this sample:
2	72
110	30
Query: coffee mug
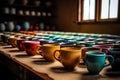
27	12
13	41
32	47
5	37
21	12
115	52
86	49
48	50
6	10
20	44
13	10
68	56
96	61
103	47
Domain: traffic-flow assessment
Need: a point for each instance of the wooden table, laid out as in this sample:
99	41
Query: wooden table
36	68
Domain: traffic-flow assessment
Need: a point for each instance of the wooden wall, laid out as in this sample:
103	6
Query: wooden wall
67	13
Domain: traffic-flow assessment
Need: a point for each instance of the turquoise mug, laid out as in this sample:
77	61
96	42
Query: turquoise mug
96	61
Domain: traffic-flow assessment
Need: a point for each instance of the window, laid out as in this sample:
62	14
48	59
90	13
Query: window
109	9
98	10
89	10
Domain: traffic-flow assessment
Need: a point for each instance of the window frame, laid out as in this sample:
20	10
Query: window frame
97	13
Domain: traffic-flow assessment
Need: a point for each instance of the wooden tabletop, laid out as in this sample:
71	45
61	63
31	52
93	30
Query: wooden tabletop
55	71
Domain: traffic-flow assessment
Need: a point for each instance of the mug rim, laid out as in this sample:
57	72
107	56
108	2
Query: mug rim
95	53
71	49
33	42
114	50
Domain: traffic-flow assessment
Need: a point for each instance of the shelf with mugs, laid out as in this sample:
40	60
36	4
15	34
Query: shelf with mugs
40	4
35	8
13	26
27	13
33	11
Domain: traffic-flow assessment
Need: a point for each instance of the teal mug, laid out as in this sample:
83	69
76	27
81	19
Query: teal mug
96	61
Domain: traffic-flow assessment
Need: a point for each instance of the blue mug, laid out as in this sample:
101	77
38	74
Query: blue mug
115	52
96	61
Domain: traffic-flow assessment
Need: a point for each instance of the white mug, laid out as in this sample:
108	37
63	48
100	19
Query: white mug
13	11
6	10
33	13
27	13
21	12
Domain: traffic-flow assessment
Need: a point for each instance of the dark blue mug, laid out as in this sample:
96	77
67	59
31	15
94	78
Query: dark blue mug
115	52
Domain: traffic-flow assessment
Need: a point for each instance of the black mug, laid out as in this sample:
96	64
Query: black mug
115	52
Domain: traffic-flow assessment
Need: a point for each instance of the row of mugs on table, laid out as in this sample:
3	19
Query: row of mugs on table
70	56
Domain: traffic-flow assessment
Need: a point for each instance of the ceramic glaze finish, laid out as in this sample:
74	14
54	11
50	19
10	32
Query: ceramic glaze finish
10	26
17	28
26	25
2	27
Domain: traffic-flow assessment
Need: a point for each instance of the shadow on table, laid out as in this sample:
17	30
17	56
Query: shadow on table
109	74
22	55
88	76
15	51
61	69
41	61
82	65
8	47
112	73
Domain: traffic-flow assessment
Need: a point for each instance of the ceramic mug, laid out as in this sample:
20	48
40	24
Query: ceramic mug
6	10
96	61
32	47
68	56
10	26
2	27
26	25
86	49
115	52
13	41
103	47
13	10
48	50
27	12
21	12
5	37
20	44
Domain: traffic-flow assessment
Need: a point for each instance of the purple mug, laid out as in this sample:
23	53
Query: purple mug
103	47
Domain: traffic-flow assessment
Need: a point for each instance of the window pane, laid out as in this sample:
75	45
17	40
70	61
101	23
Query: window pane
89	10
86	10
92	9
105	9
113	8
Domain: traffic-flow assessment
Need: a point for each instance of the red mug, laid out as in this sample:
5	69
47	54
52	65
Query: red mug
32	47
20	44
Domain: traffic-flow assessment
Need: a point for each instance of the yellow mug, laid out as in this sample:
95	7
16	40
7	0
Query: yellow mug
69	57
48	50
13	41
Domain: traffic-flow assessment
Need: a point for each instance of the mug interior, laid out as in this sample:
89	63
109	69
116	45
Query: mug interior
95	53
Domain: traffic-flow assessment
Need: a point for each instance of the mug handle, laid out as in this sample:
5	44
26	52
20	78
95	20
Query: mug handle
38	51
112	60
57	58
